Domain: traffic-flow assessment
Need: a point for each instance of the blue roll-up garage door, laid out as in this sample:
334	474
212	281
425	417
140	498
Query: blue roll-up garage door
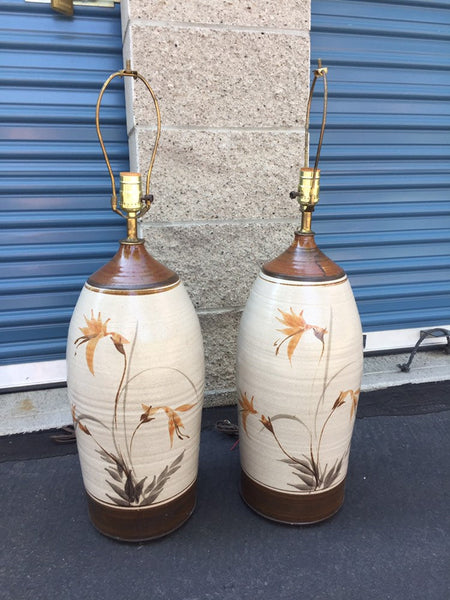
385	201
57	227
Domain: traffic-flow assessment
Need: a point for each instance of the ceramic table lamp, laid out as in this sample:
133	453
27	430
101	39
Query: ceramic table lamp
135	380
298	373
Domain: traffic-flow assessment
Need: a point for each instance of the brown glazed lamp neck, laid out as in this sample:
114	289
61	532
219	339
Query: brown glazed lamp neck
303	261
132	268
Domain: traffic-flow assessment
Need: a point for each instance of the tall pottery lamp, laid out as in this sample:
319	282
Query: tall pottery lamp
298	372
135	379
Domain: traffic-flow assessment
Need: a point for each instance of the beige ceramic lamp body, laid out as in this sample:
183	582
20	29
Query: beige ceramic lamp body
135	380
298	375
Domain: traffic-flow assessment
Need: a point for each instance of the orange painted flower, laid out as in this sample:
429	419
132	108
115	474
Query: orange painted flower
267	423
247	408
175	422
355	397
295	327
118	341
148	413
95	330
340	400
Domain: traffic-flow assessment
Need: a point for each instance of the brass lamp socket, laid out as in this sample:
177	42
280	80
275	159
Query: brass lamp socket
130	192
308	188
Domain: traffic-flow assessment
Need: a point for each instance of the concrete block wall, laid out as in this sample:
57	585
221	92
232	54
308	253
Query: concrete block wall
232	79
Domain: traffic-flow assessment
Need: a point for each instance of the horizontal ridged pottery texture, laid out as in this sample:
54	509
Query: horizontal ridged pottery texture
135	381
298	373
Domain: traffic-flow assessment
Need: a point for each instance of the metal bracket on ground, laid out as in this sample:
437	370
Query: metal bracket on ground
426	333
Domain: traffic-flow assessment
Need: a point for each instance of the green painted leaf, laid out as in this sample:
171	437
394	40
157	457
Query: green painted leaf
139	487
177	461
151	486
300	486
307	479
114	474
119	491
118	501
105	456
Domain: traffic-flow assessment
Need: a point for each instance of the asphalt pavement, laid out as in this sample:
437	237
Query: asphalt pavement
390	540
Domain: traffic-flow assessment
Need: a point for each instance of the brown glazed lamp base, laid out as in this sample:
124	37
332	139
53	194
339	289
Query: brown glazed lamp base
278	506
142	524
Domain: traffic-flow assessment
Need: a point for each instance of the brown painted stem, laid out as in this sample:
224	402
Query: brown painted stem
116	404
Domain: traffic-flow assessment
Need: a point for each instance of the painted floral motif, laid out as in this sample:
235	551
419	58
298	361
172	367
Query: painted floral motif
246	409
93	333
308	468
126	488
355	398
175	423
294	328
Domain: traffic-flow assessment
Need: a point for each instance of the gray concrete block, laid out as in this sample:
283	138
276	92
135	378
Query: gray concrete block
222	398
220	330
292	14
222	174
216	78
218	262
